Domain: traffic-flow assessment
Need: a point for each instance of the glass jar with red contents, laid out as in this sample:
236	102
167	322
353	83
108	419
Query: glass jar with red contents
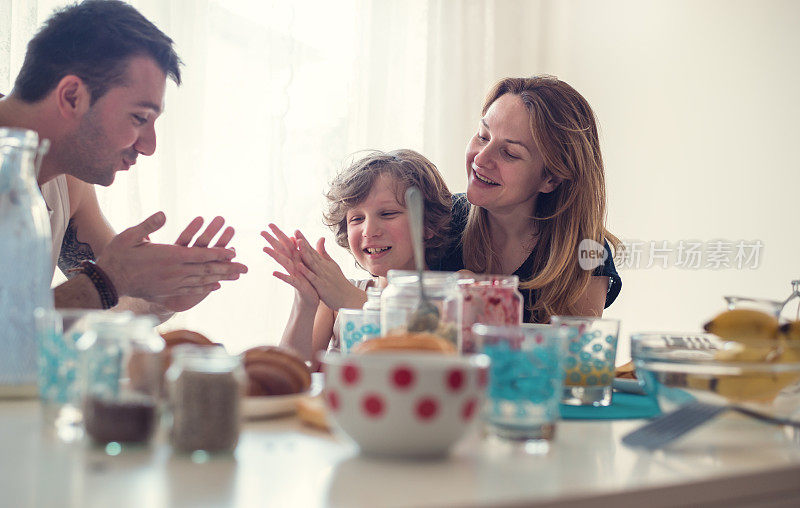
488	299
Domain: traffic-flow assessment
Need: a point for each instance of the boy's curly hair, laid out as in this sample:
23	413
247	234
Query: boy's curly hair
408	168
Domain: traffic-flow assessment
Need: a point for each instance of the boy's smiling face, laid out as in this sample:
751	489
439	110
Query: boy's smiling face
378	232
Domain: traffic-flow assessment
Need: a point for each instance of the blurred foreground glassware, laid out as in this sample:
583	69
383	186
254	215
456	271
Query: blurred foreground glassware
525	379
26	266
488	299
121	366
773	307
356	326
57	334
401	296
761	375
589	364
778	308
205	386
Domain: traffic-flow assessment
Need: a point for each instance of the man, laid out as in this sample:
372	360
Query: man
93	83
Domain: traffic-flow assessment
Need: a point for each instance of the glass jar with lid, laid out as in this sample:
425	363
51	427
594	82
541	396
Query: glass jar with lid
205	385
373	299
489	299
401	296
120	377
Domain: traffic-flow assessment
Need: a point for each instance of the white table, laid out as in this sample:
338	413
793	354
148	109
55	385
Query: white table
280	462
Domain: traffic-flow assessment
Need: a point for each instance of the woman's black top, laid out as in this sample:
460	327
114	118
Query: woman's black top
453	260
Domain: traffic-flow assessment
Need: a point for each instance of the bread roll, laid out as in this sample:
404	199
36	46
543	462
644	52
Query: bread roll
311	411
177	337
273	370
627	371
139	373
407	342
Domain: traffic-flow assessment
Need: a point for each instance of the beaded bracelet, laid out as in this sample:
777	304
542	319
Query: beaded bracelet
105	288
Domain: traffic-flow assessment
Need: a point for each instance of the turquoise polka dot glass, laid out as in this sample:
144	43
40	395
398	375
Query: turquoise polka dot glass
525	380
591	346
356	326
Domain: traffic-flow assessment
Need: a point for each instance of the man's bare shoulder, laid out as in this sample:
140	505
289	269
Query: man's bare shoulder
79	192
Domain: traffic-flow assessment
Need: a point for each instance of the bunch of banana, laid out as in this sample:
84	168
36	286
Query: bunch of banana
760	339
743	325
791	331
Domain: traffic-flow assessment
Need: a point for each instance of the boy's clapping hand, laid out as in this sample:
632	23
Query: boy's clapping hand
284	250
326	276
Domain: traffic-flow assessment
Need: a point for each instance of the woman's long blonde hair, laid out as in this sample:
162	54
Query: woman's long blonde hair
565	132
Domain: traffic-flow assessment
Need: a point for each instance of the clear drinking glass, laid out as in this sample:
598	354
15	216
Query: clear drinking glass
57	333
525	380
356	326
589	364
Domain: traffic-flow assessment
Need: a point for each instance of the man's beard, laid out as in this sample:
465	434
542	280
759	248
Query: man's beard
83	155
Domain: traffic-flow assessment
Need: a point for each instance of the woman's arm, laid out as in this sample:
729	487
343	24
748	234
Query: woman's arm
593	300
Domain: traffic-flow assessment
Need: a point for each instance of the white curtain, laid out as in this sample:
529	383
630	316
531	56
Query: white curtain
277	97
695	101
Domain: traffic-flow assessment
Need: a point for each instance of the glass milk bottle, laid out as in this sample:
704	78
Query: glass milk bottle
25	258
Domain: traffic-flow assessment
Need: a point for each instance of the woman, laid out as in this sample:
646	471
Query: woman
535	190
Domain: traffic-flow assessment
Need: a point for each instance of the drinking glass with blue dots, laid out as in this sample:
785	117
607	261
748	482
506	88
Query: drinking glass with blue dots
589	362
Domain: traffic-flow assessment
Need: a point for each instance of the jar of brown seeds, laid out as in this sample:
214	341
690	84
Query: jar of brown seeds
205	386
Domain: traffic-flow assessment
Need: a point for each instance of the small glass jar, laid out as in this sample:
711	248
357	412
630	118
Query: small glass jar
205	385
373	299
401	297
120	373
57	336
488	299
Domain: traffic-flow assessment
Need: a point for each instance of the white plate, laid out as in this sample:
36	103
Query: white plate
271	405
278	405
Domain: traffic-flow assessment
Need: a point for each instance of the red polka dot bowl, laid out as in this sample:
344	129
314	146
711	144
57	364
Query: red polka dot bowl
404	403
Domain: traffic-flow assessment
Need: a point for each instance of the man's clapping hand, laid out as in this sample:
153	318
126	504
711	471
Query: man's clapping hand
177	276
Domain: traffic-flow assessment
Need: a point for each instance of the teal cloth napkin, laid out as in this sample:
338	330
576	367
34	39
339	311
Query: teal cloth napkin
623	406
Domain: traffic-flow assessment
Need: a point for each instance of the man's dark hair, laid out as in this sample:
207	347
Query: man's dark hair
93	40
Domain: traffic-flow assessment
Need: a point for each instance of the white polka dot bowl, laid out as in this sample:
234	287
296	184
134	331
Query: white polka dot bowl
404	404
